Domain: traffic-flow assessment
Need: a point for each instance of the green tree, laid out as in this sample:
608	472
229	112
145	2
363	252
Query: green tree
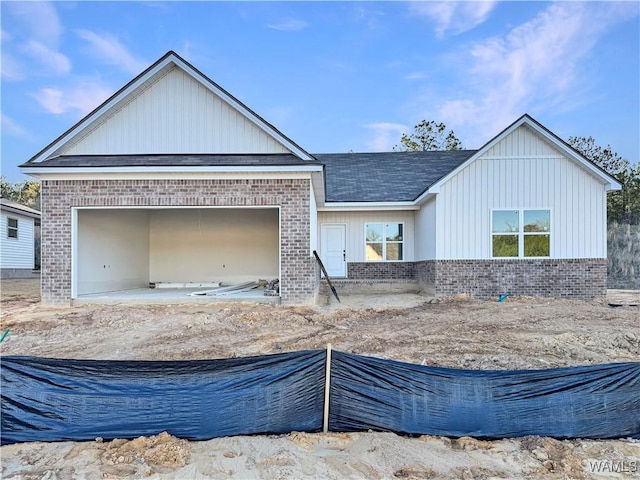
429	135
623	206
26	193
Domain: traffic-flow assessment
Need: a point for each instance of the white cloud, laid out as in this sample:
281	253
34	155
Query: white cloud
55	61
36	31
454	17
12	128
112	51
289	24
12	69
81	98
537	63
386	135
38	20
416	76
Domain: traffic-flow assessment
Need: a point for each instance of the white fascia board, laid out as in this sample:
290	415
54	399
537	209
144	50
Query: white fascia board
428	194
367	206
317	183
17	211
95	173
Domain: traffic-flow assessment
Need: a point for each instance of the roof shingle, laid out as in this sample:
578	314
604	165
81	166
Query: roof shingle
388	176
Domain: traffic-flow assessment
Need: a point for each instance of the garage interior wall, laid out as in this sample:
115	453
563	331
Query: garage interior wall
113	250
121	249
230	245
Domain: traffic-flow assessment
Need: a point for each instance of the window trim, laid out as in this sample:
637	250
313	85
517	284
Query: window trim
384	242
521	233
10	228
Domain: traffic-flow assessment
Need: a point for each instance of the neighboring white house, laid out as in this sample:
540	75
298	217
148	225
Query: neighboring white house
174	179
17	248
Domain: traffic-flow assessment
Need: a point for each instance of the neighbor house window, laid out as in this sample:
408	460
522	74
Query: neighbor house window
520	233
384	242
12	227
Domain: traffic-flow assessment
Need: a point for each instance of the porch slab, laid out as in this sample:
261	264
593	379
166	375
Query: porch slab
152	296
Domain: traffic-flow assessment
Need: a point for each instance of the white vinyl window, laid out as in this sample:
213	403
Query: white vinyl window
12	228
384	242
520	233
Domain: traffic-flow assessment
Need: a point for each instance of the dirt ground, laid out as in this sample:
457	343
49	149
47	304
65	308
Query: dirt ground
452	332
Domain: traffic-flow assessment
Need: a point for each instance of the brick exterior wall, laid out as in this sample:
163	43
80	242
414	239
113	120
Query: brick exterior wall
299	280
575	278
381	270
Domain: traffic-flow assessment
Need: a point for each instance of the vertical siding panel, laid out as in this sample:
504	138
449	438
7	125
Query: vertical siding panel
176	114
523	172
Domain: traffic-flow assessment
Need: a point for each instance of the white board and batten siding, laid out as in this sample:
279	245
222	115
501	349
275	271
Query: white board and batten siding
521	172
355	231
17	252
178	115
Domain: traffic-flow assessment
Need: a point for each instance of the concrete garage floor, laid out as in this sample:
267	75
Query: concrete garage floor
172	296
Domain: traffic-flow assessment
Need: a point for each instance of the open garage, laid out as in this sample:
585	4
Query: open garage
129	249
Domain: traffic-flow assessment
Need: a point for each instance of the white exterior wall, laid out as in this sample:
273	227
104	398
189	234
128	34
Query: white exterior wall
17	252
176	114
355	222
425	237
113	250
521	172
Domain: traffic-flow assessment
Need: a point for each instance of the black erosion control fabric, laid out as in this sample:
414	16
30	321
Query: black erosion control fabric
599	401
55	399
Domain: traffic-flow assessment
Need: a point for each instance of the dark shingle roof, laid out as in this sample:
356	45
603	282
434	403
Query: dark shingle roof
350	177
386	177
171	160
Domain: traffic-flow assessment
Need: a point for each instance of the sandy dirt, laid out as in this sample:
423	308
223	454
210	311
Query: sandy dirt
453	332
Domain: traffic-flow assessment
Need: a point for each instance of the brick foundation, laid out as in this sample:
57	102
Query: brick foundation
575	278
381	270
299	272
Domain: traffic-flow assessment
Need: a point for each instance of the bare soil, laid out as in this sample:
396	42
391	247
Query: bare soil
453	332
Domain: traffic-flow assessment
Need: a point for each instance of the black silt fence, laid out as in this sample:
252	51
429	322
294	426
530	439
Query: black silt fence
56	399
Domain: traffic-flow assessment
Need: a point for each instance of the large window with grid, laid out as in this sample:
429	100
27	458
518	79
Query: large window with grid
384	242
520	233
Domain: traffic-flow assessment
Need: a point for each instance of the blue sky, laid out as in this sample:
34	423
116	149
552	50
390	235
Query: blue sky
335	76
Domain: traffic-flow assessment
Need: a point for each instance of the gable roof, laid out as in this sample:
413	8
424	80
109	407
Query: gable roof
610	182
386	177
165	63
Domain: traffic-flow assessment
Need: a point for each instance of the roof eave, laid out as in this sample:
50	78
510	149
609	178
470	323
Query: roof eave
44	171
362	206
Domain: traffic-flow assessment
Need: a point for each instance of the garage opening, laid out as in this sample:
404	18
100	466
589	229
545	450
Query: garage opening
121	253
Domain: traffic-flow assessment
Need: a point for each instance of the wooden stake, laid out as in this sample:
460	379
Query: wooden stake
327	387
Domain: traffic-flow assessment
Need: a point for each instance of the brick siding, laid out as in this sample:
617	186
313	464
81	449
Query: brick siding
575	278
381	270
299	273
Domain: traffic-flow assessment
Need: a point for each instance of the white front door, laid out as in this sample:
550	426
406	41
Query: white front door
333	249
